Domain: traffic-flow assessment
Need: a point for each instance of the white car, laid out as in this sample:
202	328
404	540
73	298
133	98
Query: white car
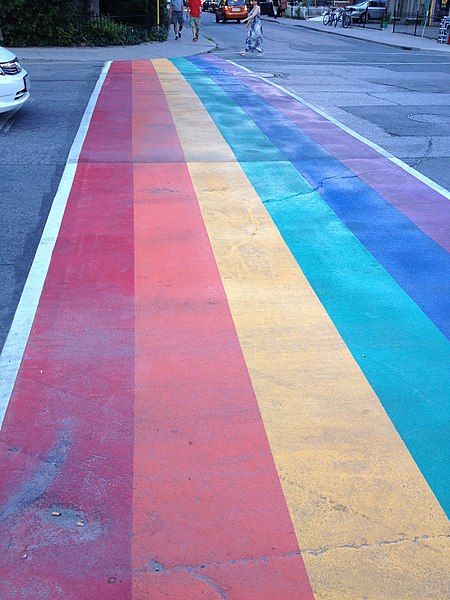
14	83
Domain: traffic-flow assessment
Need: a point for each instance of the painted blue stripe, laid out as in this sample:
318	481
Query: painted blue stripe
401	352
417	263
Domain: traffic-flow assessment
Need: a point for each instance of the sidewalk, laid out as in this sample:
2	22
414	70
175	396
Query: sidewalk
168	49
386	37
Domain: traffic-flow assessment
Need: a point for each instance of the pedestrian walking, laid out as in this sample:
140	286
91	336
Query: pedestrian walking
276	5
282	8
195	11
253	40
176	17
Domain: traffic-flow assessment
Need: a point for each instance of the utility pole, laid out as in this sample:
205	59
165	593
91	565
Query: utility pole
426	16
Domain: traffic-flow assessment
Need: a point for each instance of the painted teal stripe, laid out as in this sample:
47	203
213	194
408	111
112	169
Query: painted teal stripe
401	352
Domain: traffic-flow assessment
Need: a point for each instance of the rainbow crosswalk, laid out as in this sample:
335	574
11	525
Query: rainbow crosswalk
236	383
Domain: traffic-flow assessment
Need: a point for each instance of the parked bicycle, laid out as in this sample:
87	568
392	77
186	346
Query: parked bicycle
329	15
335	15
343	17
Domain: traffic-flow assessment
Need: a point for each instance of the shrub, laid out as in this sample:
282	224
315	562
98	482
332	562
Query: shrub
104	31
62	23
37	23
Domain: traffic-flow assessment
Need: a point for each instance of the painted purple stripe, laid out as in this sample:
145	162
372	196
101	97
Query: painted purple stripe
425	207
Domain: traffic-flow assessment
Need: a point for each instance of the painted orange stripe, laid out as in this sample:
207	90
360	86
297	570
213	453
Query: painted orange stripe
209	515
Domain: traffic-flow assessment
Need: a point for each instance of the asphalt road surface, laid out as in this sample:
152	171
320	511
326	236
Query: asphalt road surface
34	144
396	98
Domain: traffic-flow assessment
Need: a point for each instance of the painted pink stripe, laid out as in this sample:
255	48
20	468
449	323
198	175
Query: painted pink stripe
210	518
425	207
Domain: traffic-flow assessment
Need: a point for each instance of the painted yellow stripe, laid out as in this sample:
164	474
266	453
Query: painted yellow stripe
366	520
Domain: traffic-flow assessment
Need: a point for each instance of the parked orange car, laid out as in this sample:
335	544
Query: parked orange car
231	10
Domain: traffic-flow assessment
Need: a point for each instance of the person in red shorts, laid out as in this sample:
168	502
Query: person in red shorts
195	10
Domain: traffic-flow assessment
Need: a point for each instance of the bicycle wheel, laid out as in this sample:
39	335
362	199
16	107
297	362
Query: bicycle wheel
346	21
326	18
337	19
332	19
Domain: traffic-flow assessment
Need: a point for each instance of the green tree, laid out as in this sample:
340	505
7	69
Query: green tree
37	23
77	22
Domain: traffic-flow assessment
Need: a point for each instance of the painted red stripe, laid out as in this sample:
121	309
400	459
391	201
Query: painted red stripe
109	136
67	441
209	515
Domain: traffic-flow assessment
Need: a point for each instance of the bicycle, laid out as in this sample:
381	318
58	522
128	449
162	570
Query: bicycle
329	16
343	17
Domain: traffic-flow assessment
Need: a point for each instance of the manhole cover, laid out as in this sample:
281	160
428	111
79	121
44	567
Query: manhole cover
430	118
256	74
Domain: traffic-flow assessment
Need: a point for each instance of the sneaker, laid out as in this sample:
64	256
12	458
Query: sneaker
176	37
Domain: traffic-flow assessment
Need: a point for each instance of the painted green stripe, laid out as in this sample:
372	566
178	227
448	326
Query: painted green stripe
401	352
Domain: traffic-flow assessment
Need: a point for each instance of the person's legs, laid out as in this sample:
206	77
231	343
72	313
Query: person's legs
174	22
197	28
180	22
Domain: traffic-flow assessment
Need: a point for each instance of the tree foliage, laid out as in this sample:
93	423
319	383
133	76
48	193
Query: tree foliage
34	22
73	22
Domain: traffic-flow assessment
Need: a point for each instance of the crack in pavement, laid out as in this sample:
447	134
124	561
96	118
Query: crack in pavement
392	102
426	154
193	570
414	540
254	221
316	188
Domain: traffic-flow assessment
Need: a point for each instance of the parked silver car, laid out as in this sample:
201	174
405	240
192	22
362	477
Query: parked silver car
369	10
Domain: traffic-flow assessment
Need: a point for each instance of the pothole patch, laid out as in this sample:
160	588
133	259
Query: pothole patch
429	118
255	74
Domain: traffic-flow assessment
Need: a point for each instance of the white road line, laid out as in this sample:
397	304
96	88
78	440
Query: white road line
311	63
423	178
7	120
13	350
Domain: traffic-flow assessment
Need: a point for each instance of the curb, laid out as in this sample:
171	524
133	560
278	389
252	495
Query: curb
354	37
24	53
